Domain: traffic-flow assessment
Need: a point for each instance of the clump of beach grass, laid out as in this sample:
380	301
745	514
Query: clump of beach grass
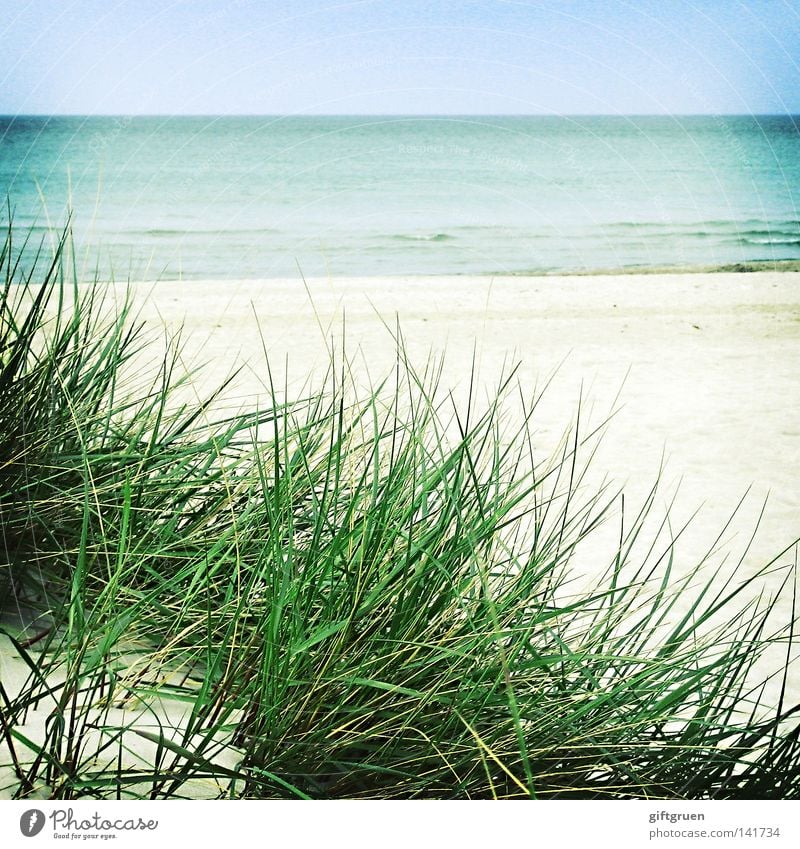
355	594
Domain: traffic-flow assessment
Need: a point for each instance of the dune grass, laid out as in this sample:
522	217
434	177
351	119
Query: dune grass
352	595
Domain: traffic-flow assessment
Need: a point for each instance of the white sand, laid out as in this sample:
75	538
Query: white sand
709	362
707	366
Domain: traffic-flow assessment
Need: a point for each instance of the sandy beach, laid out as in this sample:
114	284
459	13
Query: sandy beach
700	371
399	401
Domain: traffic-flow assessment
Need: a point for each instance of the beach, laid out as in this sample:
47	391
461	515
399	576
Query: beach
699	370
689	377
400	402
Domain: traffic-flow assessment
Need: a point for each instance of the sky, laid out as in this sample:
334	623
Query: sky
213	57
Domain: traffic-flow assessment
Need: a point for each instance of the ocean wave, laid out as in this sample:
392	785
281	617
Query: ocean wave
753	227
768	240
166	233
422	237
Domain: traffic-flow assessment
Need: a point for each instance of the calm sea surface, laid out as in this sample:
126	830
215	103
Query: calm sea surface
263	196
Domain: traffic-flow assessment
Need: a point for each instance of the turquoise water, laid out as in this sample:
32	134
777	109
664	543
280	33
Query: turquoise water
258	197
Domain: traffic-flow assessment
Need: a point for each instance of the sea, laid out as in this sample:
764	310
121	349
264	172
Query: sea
275	196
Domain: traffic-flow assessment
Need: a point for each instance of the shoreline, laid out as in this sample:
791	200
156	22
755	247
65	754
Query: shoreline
744	267
784	266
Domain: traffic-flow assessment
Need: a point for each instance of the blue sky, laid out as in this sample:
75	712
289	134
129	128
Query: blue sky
379	57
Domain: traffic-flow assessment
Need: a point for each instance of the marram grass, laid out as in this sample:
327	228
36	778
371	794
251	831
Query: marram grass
353	595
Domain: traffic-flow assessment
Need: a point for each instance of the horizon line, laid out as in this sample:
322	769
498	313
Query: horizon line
281	115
